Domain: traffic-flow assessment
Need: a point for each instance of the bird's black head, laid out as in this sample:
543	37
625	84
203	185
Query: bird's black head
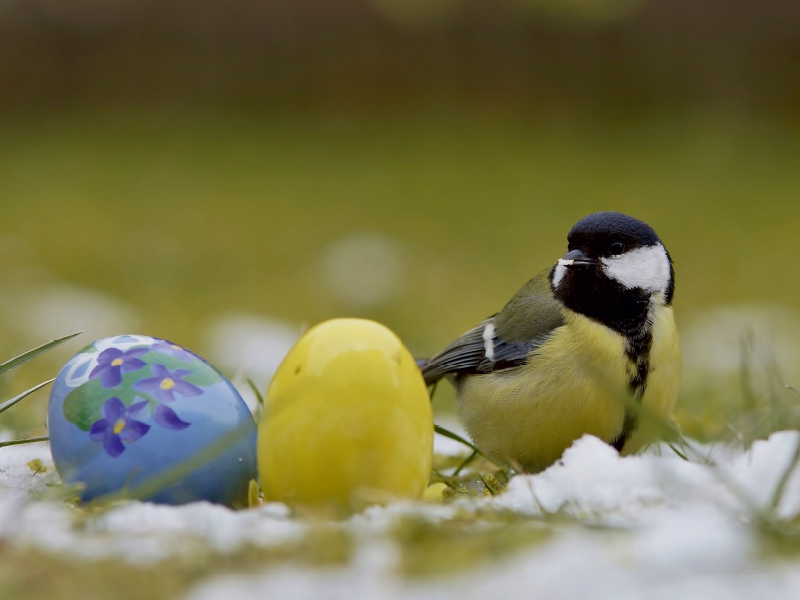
614	266
611	234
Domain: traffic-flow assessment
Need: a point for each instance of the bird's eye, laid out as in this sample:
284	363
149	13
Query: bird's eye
616	248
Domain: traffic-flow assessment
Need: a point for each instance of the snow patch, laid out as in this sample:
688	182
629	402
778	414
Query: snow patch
650	526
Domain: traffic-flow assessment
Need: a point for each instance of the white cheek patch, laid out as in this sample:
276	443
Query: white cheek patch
559	273
646	268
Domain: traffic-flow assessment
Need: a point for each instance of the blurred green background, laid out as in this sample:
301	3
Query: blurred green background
227	174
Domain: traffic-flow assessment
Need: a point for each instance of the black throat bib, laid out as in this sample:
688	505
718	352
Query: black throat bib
626	311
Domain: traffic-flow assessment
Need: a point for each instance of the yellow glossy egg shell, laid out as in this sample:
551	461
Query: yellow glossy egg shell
347	420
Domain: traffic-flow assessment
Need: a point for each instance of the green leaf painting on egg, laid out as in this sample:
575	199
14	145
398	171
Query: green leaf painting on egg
83	405
204	377
174	357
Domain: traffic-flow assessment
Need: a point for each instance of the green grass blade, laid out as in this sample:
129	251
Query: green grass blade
9	403
448	481
794	389
178	472
454	436
468	460
487	486
253	387
678	452
31	354
28	441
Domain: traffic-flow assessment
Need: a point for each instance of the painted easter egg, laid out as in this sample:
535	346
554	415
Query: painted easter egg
347	420
140	417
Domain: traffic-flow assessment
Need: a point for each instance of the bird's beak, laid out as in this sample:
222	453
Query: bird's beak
576	259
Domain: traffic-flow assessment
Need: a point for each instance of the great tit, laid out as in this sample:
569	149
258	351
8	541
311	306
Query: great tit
587	346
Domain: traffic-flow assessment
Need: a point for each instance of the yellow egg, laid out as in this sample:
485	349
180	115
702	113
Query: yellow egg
347	420
435	493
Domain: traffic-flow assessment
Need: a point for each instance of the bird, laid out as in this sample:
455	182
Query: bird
588	346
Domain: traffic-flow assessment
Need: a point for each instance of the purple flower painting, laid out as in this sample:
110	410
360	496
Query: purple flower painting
113	362
166	417
165	384
118	426
170	349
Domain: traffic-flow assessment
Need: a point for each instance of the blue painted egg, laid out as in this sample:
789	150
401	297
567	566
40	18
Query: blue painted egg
139	417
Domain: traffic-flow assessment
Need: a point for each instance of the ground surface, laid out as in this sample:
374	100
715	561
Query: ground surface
654	526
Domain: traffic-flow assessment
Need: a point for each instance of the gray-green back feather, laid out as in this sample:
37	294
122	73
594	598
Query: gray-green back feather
523	325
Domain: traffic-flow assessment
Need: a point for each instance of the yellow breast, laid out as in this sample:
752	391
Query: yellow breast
575	383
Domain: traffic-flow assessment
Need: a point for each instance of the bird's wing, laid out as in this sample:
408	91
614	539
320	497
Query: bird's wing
504	340
462	356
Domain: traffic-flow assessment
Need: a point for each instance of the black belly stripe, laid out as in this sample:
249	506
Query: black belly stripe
626	311
637	349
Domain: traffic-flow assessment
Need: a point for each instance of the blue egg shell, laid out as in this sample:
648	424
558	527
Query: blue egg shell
140	417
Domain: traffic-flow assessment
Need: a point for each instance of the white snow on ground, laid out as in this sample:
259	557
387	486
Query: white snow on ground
134	531
653	526
575	566
672	529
